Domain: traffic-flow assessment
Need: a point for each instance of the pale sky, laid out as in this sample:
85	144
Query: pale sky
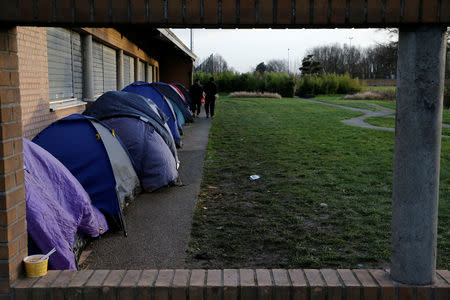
243	49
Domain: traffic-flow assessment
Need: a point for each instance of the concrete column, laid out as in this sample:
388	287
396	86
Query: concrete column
420	84
119	54
137	69
88	68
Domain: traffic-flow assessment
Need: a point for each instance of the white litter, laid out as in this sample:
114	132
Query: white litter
255	177
324	205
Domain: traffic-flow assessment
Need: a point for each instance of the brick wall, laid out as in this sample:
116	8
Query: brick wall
176	69
229	284
34	86
13	228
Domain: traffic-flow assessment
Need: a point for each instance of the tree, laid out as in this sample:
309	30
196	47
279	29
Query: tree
261	68
277	65
310	66
214	64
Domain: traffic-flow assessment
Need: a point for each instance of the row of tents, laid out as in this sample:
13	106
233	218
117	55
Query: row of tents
83	170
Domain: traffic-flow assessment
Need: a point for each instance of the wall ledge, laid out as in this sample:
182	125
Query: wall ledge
295	284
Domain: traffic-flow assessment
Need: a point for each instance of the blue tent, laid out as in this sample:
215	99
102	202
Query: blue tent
146	90
117	103
179	114
185	92
97	158
172	94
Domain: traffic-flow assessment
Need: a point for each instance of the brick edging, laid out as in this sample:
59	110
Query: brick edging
227	284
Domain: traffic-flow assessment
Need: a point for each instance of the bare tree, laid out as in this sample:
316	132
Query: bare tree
277	65
214	63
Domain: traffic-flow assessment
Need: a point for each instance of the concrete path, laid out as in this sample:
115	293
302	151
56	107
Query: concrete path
359	121
159	223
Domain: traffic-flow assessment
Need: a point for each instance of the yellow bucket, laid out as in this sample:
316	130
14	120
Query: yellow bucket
34	268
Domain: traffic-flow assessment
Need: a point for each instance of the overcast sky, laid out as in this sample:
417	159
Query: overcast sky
243	49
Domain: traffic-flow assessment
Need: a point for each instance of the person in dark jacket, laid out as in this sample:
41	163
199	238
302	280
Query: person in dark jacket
196	92
210	98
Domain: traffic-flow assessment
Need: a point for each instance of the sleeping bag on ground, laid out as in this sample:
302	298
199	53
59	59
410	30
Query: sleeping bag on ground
57	207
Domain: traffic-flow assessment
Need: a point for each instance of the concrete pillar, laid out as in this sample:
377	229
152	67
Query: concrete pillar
420	83
88	68
119	54
137	69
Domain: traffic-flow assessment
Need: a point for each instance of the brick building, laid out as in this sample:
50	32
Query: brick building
62	69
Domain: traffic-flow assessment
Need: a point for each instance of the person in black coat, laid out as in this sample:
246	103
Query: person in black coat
210	98
196	92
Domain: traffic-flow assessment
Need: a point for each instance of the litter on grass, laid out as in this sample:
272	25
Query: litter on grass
254	177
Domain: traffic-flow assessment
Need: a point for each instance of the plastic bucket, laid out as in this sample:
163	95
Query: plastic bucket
34	268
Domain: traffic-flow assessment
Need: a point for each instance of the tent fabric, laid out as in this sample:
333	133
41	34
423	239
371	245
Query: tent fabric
185	92
75	142
180	116
173	95
146	90
57	207
118	103
155	165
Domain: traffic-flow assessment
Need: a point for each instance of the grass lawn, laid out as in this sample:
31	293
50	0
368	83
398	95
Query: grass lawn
306	158
380	88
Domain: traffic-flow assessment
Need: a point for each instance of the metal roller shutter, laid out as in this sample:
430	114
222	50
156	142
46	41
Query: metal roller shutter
109	69
59	64
150	73
77	66
141	71
97	53
128	70
132	69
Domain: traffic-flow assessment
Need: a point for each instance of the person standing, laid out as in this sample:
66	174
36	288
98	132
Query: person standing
196	92
210	98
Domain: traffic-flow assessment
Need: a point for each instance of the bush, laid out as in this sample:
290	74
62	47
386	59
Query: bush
280	83
311	85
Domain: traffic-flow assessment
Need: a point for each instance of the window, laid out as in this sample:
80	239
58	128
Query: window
105	68
128	70
65	68
142	71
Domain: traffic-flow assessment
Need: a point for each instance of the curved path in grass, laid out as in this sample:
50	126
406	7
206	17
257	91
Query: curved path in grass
359	121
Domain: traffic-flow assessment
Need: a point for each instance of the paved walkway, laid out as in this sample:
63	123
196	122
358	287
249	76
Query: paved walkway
359	121
159	223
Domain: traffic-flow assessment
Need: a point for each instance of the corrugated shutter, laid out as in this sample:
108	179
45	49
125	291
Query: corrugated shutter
59	63
97	53
128	69
109	69
150	73
141	71
132	69
77	66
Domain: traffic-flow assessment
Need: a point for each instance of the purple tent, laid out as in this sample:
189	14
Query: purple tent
154	163
57	207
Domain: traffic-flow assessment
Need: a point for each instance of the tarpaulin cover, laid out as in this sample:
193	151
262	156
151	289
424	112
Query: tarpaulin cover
155	164
57	207
146	90
81	147
173	95
185	92
117	103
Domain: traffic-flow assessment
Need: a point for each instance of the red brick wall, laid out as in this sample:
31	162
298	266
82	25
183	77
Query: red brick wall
13	228
228	284
33	76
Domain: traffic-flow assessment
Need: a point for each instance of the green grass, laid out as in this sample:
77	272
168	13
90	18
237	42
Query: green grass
381	121
390	122
338	99
380	88
305	156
